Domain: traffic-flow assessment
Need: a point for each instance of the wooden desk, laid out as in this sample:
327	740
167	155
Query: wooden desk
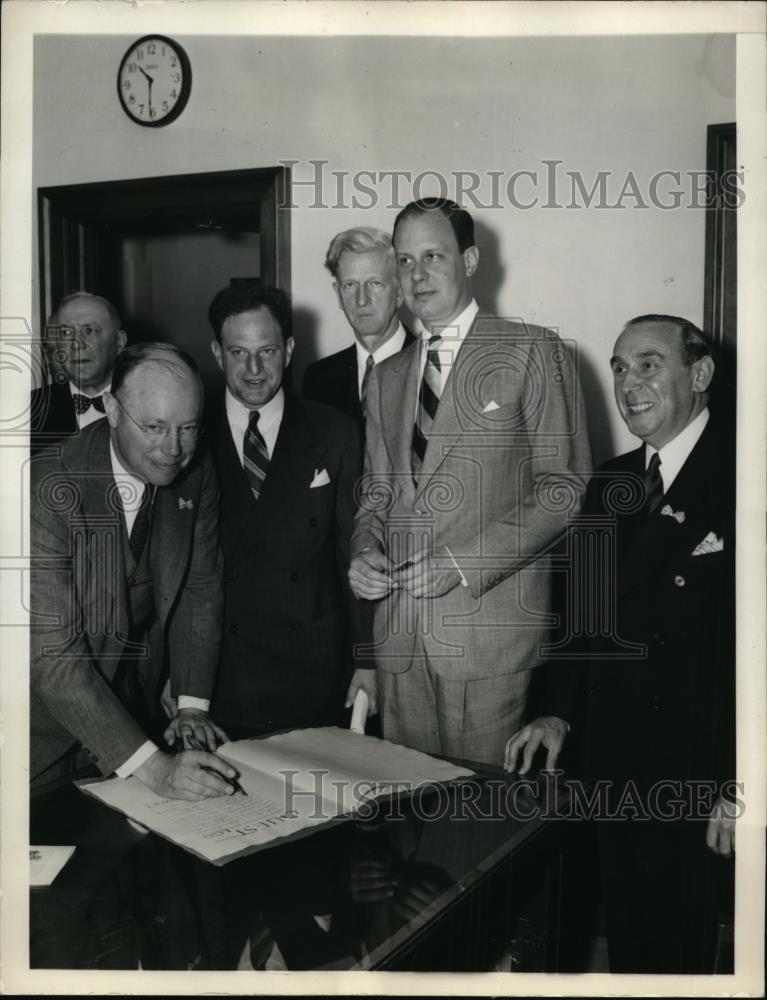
453	881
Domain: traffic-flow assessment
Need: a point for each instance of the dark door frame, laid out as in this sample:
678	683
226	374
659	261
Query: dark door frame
73	218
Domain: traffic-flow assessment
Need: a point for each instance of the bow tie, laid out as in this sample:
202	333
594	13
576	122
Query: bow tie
83	402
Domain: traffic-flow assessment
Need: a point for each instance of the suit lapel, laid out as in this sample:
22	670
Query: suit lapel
450	421
664	537
296	457
398	393
90	466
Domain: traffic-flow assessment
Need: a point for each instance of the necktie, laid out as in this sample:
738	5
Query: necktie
141	523
255	456
428	401
82	403
653	484
364	387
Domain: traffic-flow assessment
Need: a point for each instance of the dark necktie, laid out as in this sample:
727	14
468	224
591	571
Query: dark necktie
369	363
428	401
255	457
653	483
82	403
141	523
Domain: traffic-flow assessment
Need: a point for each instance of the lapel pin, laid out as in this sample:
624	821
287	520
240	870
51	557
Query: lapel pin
184	504
678	515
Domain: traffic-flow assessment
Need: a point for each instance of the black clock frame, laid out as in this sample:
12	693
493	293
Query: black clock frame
186	81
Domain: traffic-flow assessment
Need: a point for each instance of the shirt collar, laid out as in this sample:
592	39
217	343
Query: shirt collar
239	414
386	350
674	454
457	328
80	392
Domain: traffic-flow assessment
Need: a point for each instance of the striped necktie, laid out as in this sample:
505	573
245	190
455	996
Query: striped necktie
369	363
255	456
428	401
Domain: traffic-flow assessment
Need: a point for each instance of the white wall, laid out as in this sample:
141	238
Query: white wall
637	104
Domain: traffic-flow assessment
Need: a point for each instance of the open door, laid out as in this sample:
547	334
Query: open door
159	248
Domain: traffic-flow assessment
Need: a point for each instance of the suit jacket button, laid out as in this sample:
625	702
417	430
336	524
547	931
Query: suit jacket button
655	703
294	625
595	689
679	581
233	630
313	522
293	576
658	639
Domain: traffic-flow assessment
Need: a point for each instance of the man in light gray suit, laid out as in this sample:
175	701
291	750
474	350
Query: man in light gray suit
476	455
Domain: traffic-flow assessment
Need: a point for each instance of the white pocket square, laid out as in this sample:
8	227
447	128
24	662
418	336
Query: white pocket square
321	478
711	543
492	405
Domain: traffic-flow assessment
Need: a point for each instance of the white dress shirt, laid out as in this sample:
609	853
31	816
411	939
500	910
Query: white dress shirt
453	335
386	350
269	422
91	414
131	490
674	454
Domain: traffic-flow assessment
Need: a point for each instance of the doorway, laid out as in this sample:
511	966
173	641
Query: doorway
159	248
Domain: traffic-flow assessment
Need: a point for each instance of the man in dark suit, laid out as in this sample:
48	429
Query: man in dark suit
126	584
287	469
85	336
471	432
365	280
654	703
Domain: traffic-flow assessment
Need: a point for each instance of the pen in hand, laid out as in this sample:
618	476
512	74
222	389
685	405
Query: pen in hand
196	745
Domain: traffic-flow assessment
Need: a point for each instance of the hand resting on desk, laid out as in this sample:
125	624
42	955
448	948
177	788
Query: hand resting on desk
181	775
548	730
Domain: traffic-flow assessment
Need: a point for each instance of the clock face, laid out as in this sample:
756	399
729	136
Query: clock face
154	81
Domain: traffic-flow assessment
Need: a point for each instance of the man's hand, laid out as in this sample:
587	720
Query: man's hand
181	775
720	832
364	680
547	730
425	575
369	575
193	722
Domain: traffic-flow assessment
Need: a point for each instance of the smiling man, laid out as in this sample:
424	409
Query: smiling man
84	335
287	469
468	431
364	269
126	586
654	703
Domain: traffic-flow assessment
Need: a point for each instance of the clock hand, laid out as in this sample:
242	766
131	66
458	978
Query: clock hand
151	81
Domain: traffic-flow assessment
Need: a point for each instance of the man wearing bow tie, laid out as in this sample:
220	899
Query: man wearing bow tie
287	469
650	693
85	336
365	280
126	586
471	433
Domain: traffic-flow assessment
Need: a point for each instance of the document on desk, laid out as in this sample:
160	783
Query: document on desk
45	863
296	782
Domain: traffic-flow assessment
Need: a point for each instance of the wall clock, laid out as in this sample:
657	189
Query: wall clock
154	81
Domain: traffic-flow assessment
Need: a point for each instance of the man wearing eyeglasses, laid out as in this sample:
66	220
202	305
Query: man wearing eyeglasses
83	338
126	586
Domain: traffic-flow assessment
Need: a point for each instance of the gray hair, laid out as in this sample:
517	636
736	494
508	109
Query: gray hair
113	313
363	239
171	358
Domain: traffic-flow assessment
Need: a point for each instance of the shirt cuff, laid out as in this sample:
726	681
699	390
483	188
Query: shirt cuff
134	762
187	701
